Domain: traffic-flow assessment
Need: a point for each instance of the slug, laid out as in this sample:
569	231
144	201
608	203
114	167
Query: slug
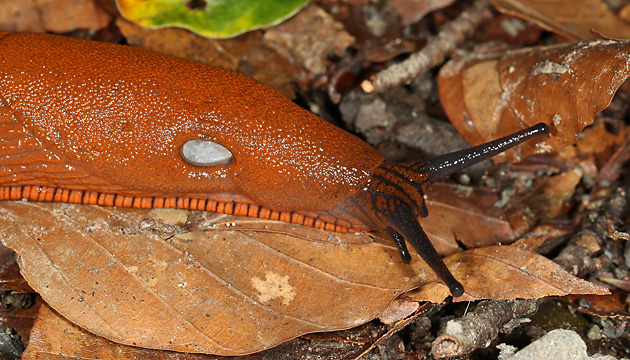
98	123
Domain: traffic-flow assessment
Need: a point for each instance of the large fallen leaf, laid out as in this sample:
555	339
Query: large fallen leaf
508	273
217	19
54	337
492	95
232	286
573	19
223	290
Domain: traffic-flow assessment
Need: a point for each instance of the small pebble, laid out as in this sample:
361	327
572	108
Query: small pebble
584	303
558	344
594	333
464	179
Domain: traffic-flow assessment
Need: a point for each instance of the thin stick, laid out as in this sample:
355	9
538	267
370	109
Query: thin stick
436	50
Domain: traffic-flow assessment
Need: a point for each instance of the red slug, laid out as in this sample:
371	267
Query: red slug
98	123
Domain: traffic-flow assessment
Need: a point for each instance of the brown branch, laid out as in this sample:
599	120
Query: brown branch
477	328
436	50
421	312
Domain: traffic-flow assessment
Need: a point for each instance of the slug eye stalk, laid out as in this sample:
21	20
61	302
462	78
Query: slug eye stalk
394	195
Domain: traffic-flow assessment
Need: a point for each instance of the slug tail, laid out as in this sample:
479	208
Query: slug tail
448	164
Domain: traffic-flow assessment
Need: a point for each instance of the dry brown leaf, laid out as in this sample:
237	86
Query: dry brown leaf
507	273
542	235
554	192
610	306
546	200
247	53
54	337
213	291
398	310
572	19
411	11
598	140
565	86
308	39
51	15
228	291
469	217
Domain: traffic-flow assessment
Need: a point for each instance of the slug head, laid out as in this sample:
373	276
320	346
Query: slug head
393	198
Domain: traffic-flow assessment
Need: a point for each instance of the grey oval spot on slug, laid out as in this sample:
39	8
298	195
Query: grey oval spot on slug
205	153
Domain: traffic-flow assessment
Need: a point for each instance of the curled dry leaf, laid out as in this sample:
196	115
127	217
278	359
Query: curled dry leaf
565	86
573	19
411	11
452	210
398	310
217	290
508	273
547	199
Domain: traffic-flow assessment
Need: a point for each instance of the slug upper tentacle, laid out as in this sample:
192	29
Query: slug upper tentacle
444	165
130	127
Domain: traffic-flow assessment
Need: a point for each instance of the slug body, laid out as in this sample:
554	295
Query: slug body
99	123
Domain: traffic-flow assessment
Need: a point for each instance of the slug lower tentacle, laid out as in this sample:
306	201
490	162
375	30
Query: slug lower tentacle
393	198
401	245
124	126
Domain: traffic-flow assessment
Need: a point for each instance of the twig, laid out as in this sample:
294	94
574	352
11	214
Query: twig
435	51
475	330
611	170
422	311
